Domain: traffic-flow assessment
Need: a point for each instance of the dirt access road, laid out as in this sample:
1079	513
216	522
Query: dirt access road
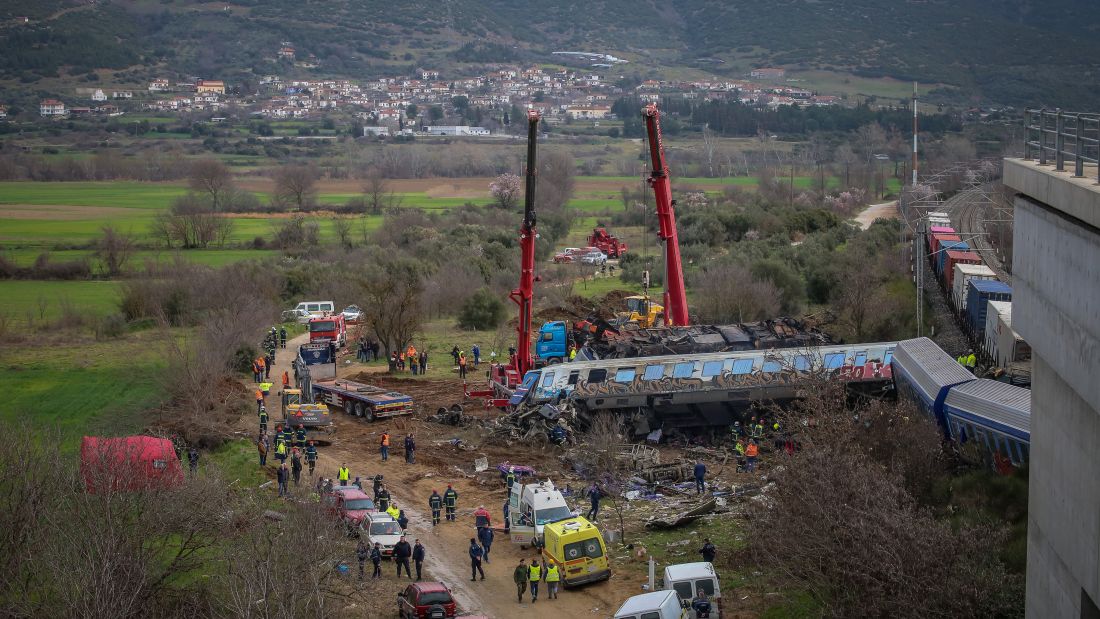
356	444
886	210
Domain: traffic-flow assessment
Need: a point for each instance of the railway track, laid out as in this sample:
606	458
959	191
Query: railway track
968	209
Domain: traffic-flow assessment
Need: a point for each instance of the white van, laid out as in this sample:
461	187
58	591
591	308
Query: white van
654	605
531	507
687	579
317	308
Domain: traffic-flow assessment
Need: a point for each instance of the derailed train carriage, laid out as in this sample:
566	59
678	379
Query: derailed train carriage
707	389
994	415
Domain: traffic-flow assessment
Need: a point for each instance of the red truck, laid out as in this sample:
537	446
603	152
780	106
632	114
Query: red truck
608	244
330	328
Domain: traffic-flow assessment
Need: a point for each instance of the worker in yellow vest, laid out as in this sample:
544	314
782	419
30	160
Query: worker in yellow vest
393	511
552	580
280	451
534	576
343	475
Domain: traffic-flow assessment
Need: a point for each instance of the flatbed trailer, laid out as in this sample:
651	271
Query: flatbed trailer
362	400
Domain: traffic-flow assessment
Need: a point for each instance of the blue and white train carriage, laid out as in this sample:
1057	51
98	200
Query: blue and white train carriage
996	415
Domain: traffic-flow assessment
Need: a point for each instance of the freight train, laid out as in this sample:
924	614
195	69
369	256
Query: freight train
981	302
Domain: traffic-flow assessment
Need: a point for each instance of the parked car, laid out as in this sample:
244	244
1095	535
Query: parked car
426	600
596	258
352	313
382	528
297	315
573	254
349	504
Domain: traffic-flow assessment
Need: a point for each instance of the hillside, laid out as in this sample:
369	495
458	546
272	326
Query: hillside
989	50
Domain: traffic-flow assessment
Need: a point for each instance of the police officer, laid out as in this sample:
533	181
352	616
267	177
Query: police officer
296	467
311	457
377	486
435	502
418	557
450	499
476	553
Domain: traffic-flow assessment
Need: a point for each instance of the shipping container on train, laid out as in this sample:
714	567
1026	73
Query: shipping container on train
964	273
980	291
954	258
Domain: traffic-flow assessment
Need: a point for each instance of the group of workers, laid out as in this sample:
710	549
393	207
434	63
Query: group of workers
968	360
415	362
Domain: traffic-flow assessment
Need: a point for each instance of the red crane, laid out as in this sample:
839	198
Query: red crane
522	296
503	378
676	308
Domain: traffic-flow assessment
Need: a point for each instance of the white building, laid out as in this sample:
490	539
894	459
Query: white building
456	130
99	95
51	107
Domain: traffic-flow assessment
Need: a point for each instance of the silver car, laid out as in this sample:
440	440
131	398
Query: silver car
595	258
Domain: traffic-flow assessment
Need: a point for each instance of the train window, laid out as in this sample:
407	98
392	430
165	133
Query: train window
573	377
683	370
547	379
653	372
889	356
771	366
834	360
861	359
712	368
625	375
1024	448
740	366
597	376
802	363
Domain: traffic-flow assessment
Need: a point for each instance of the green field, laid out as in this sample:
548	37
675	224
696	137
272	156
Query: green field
43	300
95	387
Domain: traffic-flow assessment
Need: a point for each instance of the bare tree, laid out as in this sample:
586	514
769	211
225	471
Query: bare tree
212	178
192	223
556	181
600	449
380	197
342	227
735	295
296	185
390	294
114	248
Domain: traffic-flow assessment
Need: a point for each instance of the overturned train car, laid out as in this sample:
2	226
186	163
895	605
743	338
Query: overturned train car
704	389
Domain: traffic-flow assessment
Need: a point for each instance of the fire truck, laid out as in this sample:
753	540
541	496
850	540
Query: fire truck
607	243
331	328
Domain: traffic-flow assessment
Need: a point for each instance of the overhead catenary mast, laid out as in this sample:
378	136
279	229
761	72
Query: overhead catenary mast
914	134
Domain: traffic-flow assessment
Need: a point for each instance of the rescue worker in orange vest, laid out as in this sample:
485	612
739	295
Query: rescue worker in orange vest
286	379
462	365
751	451
385	446
259	400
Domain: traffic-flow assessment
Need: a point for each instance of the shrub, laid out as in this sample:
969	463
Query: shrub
484	310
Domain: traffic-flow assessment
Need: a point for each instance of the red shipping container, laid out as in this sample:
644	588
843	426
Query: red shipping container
958	257
938	239
941	230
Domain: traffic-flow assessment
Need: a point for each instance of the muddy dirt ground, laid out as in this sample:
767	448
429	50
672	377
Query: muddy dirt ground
438	463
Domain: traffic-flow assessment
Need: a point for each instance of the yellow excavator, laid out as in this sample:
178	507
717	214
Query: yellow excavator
641	310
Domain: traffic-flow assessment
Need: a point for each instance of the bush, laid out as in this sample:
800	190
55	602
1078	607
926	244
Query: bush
110	327
484	310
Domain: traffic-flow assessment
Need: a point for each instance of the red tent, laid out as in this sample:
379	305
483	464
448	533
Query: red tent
128	463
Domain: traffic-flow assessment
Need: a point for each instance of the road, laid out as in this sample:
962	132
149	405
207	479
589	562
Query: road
356	445
886	210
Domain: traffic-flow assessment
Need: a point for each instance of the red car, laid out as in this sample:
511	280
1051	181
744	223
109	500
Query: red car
426	600
349	504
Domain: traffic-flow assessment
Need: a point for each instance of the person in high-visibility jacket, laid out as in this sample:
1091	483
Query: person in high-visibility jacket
393	511
259	400
572	352
384	446
450	499
343	475
263	420
280	451
534	575
751	451
286	379
553	577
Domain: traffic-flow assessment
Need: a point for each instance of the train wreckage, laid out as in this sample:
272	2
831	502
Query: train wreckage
690	392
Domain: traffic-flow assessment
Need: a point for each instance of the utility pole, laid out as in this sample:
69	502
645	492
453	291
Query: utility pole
914	134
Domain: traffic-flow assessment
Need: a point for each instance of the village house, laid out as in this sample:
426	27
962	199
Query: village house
286	52
51	107
98	95
595	112
122	94
159	85
217	86
3	112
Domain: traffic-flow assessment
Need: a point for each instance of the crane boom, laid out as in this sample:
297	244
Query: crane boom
676	308
523	295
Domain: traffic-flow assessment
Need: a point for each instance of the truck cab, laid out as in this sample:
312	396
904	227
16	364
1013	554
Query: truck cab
297	411
328	329
553	342
531	507
688	579
653	605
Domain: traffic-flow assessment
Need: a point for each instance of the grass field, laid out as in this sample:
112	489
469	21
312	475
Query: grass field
43	300
88	388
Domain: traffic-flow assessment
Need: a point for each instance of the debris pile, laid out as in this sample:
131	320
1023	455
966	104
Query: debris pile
631	340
